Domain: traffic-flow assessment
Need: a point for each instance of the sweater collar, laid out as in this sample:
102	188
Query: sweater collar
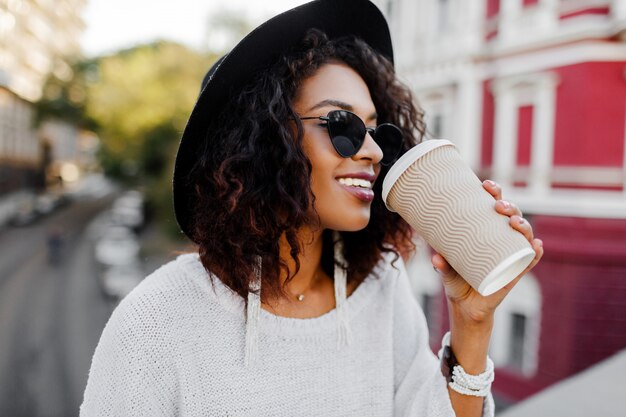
254	304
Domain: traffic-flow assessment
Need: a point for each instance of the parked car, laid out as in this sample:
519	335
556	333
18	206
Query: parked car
116	251
25	209
117	281
49	201
117	246
127	210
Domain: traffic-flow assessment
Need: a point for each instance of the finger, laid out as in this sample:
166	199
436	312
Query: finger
520	224
537	245
493	188
440	264
507	208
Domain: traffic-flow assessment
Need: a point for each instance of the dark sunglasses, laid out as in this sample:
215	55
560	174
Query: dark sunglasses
347	134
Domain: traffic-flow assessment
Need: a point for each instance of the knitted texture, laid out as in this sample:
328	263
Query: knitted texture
175	346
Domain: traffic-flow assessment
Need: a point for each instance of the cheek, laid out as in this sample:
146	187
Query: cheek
324	162
323	183
322	177
324	159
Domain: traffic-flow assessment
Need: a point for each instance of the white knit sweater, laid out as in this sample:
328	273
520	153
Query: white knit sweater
175	347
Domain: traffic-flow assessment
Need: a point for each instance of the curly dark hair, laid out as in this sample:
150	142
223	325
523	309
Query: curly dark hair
253	179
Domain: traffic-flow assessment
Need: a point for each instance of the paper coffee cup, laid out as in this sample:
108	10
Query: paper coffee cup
438	194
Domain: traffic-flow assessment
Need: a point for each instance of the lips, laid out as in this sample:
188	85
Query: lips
363	194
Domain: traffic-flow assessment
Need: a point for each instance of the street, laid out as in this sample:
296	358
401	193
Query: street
51	316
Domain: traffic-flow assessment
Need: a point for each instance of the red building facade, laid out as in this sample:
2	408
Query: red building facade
533	93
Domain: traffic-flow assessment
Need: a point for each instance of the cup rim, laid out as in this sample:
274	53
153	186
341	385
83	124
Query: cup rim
506	271
405	161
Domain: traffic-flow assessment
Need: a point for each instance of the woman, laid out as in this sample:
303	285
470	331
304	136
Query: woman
297	302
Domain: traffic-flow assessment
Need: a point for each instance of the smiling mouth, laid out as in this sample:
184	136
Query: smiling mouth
356	182
359	188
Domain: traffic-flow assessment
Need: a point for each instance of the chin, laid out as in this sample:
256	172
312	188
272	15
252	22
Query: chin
344	218
350	226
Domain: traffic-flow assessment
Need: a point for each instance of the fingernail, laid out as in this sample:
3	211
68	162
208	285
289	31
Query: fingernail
521	221
491	183
540	242
435	268
506	204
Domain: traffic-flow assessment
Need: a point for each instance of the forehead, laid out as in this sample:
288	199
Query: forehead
334	82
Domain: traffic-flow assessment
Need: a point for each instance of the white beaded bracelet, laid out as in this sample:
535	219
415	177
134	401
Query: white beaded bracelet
461	381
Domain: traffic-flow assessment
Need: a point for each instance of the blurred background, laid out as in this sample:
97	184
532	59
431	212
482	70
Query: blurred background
95	93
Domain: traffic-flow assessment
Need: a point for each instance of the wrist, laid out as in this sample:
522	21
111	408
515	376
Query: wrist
471	319
473	384
469	340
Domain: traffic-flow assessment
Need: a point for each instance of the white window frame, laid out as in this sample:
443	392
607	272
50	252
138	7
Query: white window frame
525	299
510	93
439	102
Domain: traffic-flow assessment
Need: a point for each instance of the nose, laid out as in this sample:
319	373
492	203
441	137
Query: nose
369	150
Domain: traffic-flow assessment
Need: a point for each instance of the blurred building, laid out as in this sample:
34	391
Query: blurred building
533	94
68	151
37	37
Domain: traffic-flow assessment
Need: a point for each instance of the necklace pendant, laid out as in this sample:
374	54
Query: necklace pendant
300	297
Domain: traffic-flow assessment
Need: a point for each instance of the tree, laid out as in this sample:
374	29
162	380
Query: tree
140	99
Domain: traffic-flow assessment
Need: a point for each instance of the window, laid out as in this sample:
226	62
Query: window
517	326
517	340
429	305
437	126
439	105
493	8
443	7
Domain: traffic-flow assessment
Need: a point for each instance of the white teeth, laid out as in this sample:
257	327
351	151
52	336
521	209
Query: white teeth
355	182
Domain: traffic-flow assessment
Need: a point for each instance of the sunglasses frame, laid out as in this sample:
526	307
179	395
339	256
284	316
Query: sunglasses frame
371	130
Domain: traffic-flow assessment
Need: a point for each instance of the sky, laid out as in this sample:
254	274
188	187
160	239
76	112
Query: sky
117	24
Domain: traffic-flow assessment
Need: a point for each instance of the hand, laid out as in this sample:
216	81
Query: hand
473	306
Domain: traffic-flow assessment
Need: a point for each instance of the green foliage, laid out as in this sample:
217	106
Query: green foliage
137	101
140	99
65	99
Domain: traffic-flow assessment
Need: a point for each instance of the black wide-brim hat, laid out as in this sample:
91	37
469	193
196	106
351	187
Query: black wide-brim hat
258	51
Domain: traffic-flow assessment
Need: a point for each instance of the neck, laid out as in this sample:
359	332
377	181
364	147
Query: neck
310	273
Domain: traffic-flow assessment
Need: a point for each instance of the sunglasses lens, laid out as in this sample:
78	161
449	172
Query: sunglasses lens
347	132
389	139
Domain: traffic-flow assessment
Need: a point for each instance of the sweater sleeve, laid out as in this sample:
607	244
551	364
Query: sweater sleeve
132	374
420	388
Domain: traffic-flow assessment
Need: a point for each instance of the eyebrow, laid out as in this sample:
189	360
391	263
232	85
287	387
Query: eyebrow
342	105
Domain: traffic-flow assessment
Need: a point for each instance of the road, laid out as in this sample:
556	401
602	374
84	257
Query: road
51	316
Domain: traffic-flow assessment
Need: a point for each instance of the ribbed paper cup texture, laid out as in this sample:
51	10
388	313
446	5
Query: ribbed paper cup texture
439	195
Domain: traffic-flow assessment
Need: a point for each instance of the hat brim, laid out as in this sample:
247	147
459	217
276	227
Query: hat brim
256	52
